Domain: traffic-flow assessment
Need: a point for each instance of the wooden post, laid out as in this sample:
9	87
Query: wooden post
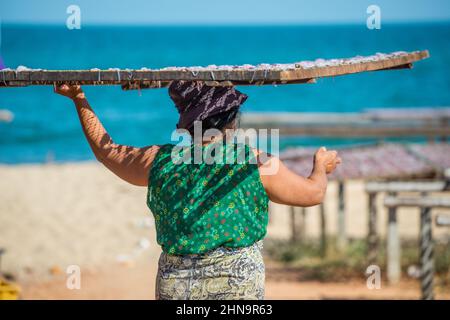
372	237
302	228
426	254
323	235
374	187
297	224
342	240
393	246
293	225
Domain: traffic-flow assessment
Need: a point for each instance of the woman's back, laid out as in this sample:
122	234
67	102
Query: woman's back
204	209
201	206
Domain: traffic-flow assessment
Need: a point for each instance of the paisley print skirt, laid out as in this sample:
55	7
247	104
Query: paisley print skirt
221	274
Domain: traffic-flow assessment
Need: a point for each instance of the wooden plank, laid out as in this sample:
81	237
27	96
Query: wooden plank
421	114
279	119
302	224
300	72
294	231
333	71
323	232
144	84
430	202
378	123
429	122
402	116
362	132
298	229
372	236
406	186
341	227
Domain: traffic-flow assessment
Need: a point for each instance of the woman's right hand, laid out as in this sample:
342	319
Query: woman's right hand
326	160
70	91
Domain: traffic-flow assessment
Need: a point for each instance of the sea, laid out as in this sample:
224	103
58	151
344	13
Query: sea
45	126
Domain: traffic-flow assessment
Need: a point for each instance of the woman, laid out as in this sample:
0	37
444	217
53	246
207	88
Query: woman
210	217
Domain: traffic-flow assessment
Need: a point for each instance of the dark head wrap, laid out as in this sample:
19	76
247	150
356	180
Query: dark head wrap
196	101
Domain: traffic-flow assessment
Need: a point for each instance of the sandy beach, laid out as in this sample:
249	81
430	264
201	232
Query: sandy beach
56	215
82	80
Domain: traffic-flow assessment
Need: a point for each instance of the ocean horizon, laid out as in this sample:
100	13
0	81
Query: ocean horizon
46	125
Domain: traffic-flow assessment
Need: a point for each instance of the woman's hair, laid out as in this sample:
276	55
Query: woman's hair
221	121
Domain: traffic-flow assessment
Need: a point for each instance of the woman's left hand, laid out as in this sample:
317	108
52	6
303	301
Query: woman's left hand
70	91
328	160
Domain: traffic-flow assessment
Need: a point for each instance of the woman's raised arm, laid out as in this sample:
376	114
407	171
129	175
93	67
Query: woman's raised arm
129	163
286	187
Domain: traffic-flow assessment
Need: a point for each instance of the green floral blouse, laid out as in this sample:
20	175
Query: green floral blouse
199	206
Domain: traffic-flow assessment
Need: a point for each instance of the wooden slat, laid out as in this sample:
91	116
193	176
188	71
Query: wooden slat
394	122
406	186
354	68
421	114
367	116
134	85
362	132
427	202
221	75
280	119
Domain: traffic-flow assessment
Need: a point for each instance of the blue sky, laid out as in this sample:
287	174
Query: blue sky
222	12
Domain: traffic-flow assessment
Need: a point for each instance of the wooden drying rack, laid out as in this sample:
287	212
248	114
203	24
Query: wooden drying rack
300	72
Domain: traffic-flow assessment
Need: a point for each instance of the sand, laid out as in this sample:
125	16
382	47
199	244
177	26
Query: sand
56	215
137	282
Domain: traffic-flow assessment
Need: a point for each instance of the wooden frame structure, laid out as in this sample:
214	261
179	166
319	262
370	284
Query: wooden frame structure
426	204
393	188
369	163
429	122
426	237
299	72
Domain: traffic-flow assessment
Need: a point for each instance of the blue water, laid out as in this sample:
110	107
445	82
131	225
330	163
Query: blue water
46	124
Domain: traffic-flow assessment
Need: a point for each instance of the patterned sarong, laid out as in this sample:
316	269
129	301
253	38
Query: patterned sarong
221	274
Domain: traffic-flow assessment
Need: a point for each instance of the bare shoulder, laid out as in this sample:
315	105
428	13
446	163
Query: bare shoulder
150	152
154	148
